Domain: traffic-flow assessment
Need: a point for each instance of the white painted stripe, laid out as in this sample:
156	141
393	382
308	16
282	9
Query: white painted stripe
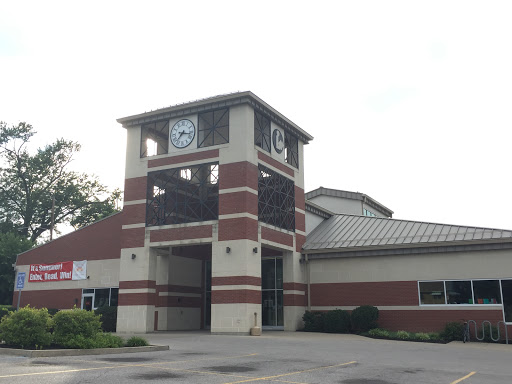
132	226
235	287
300	232
238	215
277	245
201	240
300	210
186	225
179	294
135	202
238	189
137	290
291	292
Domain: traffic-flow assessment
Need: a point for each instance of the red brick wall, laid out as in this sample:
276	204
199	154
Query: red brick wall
300	198
134	214
237	229
235	296
236	280
235	175
431	320
136	284
299	242
276	236
182	233
133	237
146	298
135	188
300	221
98	241
50	298
367	293
204	155
238	202
276	164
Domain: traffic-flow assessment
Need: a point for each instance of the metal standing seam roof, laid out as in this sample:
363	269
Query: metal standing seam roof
343	232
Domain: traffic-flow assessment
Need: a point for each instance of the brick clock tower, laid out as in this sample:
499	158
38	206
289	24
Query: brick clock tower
213	219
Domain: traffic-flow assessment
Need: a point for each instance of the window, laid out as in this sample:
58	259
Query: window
432	292
487	291
94	298
291	150
466	292
459	292
183	195
506	286
276	199
262	131
368	213
213	128
154	139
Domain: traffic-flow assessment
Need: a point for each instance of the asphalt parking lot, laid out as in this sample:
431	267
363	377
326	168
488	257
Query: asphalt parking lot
278	357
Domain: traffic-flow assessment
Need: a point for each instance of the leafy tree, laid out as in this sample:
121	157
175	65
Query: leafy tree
10	245
29	183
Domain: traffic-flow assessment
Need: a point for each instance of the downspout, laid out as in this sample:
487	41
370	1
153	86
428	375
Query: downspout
308	281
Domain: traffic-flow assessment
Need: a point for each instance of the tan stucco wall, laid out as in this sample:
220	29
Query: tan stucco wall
456	265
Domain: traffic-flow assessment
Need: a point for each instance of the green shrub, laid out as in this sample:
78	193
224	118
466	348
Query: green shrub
5	309
74	328
422	336
313	321
136	341
337	321
364	318
107	340
26	328
108	318
99	340
452	331
403	335
377	332
434	336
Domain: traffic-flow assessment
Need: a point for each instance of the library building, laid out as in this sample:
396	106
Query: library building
217	233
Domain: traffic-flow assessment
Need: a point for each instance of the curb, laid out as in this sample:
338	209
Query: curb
80	352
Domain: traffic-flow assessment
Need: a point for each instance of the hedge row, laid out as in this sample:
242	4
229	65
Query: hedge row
74	328
362	319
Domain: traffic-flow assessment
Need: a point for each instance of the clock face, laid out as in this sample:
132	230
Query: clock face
277	139
182	133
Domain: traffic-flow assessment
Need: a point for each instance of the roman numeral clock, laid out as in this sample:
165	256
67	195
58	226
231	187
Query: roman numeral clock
182	133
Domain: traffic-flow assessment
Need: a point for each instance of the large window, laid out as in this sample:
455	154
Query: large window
154	139
183	195
94	298
262	131
276	199
506	286
213	128
291	150
465	292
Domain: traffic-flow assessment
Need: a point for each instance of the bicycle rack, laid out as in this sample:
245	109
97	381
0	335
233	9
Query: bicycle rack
490	330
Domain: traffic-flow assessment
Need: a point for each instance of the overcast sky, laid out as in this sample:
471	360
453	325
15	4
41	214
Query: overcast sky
409	102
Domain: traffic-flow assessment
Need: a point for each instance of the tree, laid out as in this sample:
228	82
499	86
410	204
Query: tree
11	245
30	182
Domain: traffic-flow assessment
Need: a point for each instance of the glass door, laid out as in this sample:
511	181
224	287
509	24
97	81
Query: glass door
88	301
272	293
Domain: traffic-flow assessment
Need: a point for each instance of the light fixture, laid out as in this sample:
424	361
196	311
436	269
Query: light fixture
134	256
255	249
228	250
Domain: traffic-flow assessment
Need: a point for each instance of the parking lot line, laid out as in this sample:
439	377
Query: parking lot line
118	366
463	378
292	373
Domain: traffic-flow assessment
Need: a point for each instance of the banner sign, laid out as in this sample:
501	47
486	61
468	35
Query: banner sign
66	270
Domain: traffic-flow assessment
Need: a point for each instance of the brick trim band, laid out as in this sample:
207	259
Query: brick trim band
137	284
182	233
236	280
276	236
137	299
276	164
211	154
178	289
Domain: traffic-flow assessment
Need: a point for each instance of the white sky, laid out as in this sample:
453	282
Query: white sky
409	102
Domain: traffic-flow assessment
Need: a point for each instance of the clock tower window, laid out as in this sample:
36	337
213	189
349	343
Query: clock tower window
213	128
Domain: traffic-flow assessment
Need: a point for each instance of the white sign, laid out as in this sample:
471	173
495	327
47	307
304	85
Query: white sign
79	270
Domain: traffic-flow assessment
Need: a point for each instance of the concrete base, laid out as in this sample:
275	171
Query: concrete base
256	331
